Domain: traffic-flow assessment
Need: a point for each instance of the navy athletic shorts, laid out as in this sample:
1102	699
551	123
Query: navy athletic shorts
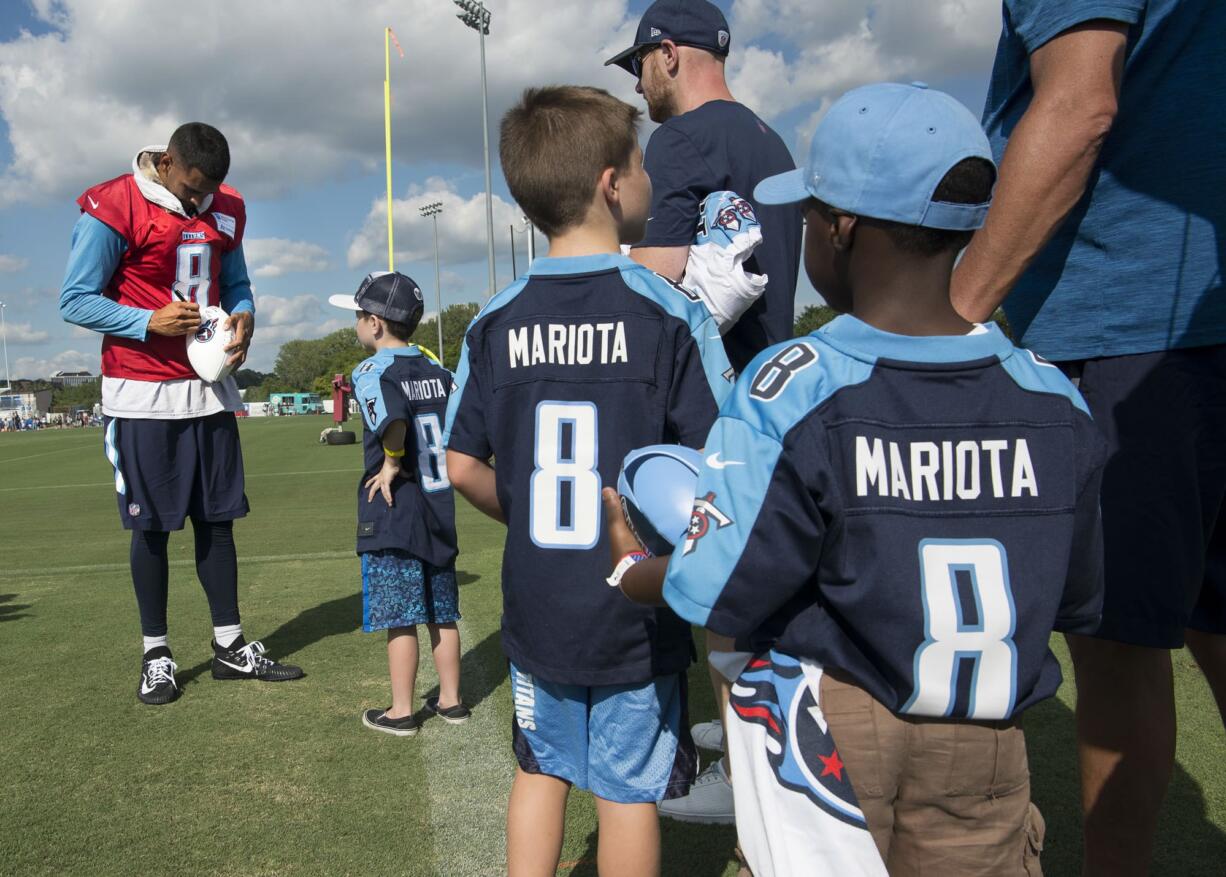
1164	417
169	470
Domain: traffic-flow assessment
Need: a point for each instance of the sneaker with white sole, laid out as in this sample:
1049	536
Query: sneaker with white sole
709	801
157	677
709	735
456	714
377	720
244	660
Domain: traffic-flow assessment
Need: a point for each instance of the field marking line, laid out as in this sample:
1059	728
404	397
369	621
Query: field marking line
112	484
48	453
121	567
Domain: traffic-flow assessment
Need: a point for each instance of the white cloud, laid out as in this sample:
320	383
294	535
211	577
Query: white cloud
837	45
461	228
272	257
12	264
296	85
24	333
30	367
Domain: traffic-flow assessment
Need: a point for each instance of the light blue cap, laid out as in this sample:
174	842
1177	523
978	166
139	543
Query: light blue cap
881	151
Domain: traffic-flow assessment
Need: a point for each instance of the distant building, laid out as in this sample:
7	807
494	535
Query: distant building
25	405
73	379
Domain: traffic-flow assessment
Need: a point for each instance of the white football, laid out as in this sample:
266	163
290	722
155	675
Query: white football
206	349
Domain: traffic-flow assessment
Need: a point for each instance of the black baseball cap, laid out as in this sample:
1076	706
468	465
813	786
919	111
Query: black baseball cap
388	294
695	23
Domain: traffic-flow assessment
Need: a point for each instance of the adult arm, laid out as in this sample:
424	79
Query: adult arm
680	179
238	302
1048	161
95	254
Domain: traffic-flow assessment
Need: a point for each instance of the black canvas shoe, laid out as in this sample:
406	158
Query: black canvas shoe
157	677
244	660
454	715
377	720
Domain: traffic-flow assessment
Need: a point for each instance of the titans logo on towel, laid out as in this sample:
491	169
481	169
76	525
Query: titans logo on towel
803	755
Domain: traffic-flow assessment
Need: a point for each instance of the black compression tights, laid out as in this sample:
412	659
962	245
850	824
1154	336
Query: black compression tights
216	566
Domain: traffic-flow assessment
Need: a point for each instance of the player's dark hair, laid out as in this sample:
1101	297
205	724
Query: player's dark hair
202	147
555	144
970	181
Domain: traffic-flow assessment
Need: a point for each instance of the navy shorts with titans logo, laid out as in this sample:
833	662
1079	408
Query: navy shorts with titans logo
1164	418
169	470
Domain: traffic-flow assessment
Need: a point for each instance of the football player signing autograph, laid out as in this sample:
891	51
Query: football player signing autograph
152	249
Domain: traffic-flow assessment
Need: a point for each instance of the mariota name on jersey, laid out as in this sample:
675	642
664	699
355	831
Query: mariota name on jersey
880	467
567	344
424	390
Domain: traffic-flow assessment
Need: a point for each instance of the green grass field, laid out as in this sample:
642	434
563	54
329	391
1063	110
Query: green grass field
259	779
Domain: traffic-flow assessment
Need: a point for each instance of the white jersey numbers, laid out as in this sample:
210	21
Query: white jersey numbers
565	486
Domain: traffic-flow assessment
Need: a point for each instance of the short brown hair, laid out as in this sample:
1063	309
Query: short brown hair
555	144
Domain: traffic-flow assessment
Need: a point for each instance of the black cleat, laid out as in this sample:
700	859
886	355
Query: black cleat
157	677
453	715
244	660
377	720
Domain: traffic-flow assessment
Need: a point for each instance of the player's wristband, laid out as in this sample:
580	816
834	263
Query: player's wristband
393	454
624	564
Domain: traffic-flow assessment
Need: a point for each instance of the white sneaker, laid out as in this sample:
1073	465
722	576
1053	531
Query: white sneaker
709	735
709	800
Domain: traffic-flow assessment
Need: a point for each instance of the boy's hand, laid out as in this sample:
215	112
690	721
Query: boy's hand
382	482
621	539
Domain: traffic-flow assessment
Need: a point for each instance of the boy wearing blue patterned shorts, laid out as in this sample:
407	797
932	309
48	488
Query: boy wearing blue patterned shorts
406	513
587	357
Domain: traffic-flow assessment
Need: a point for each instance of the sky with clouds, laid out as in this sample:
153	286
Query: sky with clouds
297	87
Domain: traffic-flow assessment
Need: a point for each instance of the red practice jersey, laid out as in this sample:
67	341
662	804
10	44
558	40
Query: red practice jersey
162	248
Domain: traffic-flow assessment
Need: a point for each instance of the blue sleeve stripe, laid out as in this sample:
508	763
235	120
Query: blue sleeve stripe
501	300
734	491
695	315
236	294
1040	376
96	251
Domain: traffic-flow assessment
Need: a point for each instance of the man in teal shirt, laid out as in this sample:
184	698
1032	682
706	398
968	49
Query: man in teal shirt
1105	244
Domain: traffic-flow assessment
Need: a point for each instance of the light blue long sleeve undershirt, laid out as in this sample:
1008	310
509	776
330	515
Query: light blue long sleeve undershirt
96	251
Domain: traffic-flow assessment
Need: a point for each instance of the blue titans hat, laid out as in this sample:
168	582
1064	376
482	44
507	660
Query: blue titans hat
695	23
881	151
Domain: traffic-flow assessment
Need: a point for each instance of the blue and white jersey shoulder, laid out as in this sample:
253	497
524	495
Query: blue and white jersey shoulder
687	306
367	390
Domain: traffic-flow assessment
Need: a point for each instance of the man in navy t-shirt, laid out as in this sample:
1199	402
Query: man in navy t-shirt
1107	237
707	142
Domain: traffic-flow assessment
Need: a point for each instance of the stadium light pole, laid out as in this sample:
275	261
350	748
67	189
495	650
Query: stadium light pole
4	333
432	210
477	17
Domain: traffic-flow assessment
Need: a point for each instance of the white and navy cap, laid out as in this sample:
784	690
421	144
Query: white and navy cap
388	294
695	23
881	151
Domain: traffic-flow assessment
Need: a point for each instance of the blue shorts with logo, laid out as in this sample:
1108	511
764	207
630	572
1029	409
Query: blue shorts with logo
629	744
400	590
169	470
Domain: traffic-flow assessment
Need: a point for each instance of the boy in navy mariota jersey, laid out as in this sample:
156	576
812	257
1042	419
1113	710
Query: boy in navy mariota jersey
406	512
894	514
587	357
